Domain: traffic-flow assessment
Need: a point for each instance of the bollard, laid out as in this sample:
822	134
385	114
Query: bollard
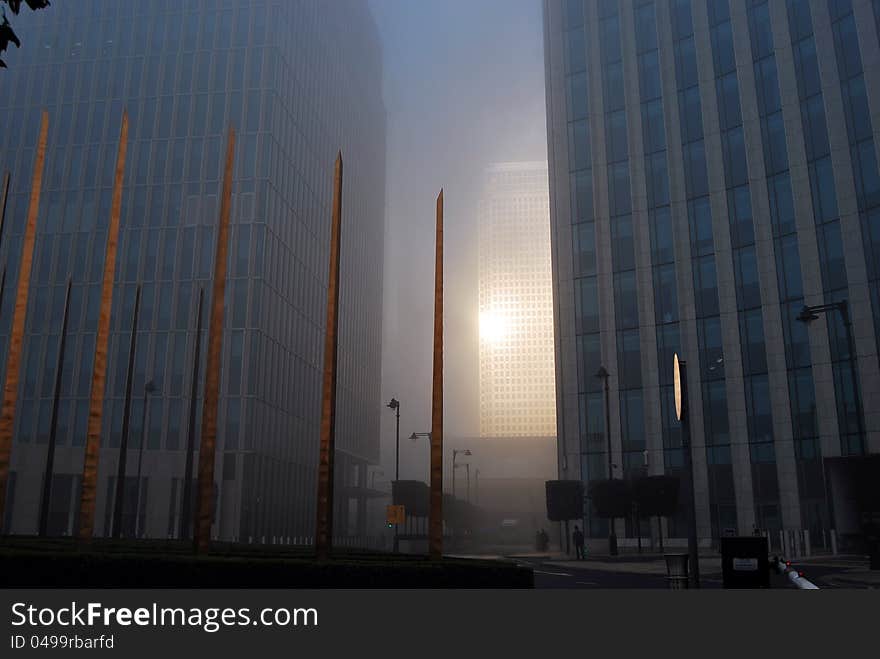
833	535
807	548
677	571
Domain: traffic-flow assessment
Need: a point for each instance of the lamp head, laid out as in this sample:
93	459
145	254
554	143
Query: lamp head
602	373
393	404
806	315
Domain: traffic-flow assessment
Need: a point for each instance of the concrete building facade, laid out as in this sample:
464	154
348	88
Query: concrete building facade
713	169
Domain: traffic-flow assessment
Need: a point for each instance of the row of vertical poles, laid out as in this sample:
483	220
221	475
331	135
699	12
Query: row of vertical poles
325	498
205	500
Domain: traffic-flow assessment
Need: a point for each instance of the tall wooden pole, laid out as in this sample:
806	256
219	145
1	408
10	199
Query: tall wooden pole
99	372
16	335
53	423
435	542
324	531
207	445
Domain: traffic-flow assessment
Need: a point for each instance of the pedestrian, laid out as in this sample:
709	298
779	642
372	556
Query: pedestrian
578	538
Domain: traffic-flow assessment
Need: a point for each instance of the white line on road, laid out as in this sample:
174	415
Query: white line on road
555	574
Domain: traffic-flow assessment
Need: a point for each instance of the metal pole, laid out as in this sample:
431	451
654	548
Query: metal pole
3	203
843	307
396	472
612	536
126	416
435	540
638	526
186	507
467	470
137	509
454	454
689	479
53	424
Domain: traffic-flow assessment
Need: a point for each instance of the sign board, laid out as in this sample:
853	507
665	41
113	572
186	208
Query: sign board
395	514
745	564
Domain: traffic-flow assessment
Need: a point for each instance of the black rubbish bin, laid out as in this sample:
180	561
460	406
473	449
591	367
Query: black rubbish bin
677	571
745	562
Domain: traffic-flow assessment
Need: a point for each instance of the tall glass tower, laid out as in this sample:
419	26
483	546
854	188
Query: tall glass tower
713	170
517	396
298	80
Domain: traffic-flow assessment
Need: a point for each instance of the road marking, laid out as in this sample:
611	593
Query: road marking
555	574
586	583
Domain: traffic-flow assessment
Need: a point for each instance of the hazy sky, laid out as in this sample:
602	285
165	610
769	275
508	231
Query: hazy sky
464	88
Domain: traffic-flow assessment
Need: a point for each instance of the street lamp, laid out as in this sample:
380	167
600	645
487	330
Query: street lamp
603	375
810	313
149	388
477	486
455	452
394	404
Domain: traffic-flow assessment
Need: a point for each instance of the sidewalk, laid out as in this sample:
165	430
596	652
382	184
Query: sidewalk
709	565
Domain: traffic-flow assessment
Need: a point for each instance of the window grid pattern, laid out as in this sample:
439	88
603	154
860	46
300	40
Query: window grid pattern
863	157
722	501
591	409
517	373
277	72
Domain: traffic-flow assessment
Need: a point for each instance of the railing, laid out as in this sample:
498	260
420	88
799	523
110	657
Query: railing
794	576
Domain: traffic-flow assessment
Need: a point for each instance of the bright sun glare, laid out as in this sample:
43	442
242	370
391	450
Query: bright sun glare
493	327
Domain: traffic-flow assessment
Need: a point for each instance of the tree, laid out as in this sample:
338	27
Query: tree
611	498
7	34
657	496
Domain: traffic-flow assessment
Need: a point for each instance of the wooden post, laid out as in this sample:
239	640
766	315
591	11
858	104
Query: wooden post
208	442
99	371
16	334
435	542
324	517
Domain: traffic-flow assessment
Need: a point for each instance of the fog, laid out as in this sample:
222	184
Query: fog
464	88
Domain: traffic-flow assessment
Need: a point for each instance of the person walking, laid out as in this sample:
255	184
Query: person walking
578	538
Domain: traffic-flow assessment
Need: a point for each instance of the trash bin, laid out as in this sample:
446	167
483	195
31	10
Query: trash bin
745	562
872	540
677	571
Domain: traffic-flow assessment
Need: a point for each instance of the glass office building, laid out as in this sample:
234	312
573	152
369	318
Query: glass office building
517	396
713	169
298	80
